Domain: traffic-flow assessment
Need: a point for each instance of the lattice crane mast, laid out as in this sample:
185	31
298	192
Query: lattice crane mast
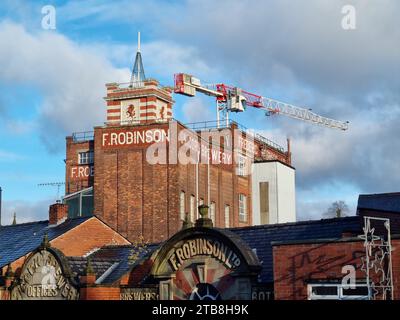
233	99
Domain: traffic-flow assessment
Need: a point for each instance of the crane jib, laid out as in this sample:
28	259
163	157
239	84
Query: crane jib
235	99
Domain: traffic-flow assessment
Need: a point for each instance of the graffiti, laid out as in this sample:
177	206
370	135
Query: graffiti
314	263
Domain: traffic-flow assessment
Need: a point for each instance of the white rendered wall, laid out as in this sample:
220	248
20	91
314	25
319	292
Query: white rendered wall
282	196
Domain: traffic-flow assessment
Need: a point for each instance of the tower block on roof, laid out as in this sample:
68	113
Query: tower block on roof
140	101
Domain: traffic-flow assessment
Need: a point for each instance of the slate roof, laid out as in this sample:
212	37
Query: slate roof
121	255
20	239
260	238
79	264
112	262
381	201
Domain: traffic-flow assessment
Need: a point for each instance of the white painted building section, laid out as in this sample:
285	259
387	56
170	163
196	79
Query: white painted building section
273	193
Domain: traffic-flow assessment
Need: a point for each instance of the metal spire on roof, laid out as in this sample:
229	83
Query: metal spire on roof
138	70
15	219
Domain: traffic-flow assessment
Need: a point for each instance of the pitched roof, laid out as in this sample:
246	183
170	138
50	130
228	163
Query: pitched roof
260	238
121	254
380	201
20	239
79	264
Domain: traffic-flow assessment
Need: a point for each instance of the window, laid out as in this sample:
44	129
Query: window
241	165
212	212
80	203
85	157
201	202
227	209
242	208
182	205
192	207
337	292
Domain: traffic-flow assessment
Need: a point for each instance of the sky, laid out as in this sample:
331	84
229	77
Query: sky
52	83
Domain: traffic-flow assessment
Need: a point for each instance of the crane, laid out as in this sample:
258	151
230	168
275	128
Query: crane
233	99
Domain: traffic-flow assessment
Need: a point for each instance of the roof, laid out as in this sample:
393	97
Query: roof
79	264
20	239
260	238
121	255
380	201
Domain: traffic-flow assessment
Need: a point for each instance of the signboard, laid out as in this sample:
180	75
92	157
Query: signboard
262	293
202	246
133	137
42	278
82	172
139	294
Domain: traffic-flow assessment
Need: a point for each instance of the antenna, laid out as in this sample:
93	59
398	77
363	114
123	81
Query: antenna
53	184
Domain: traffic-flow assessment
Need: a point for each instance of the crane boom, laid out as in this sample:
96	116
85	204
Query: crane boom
236	100
277	107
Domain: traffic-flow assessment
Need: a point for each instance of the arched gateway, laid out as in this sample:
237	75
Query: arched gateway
205	263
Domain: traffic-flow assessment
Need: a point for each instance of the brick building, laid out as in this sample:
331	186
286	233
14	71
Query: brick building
296	261
111	171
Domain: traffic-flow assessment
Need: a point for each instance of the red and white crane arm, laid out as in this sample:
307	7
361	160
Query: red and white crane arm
236	101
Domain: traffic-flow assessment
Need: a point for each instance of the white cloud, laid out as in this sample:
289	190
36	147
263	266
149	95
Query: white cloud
197	110
71	78
26	211
9	156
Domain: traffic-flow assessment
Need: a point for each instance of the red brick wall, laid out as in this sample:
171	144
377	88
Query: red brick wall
76	175
137	198
99	293
396	267
89	235
295	265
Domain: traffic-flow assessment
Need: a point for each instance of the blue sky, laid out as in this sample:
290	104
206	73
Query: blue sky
52	84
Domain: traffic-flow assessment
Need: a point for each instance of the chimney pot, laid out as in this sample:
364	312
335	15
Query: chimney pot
58	213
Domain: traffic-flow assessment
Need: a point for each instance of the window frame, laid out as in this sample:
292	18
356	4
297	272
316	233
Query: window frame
86	157
338	296
241	170
227	218
192	209
242	206
212	211
182	206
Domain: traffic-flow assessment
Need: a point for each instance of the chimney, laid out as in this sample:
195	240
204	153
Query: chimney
58	213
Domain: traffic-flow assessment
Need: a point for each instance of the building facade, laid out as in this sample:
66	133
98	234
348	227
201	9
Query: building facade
143	171
84	258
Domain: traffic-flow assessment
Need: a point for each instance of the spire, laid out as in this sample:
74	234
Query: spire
15	219
138	71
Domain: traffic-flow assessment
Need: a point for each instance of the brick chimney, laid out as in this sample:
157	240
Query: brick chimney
58	213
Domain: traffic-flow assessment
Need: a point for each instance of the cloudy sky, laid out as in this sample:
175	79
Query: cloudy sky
52	84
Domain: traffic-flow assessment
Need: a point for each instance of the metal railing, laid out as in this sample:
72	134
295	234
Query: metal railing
213	124
83	136
222	124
